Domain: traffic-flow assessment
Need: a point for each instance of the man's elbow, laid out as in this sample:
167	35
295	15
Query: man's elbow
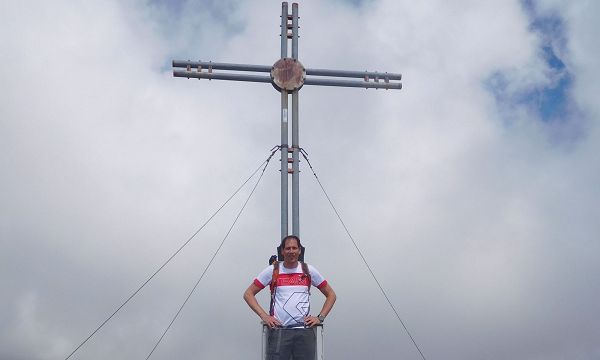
249	294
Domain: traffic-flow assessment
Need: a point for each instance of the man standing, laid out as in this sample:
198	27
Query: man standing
291	328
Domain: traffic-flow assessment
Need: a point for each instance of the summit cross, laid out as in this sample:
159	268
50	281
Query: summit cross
288	76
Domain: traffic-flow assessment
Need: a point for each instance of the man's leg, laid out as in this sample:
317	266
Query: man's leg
305	344
279	344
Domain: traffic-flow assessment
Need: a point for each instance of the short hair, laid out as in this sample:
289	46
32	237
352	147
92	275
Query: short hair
288	238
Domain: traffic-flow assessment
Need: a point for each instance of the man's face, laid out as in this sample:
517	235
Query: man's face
291	251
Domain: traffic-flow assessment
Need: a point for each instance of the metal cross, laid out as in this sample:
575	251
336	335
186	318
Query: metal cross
288	76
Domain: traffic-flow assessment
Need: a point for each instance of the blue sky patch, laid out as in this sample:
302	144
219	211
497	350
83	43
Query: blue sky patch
551	102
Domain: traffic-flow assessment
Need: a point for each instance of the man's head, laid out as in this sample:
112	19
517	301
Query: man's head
291	248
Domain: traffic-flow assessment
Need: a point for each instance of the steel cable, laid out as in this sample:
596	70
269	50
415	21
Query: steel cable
305	155
265	163
212	258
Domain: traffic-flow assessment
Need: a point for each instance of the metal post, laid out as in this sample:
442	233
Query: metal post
284	22
321	356
295	142
284	164
264	342
295	30
295	167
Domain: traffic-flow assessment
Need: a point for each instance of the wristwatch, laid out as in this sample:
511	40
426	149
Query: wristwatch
321	318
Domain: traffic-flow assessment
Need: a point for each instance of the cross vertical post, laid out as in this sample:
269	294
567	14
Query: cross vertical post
284	128
295	148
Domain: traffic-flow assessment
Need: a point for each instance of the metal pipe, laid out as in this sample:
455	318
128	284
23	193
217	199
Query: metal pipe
350	83
220	76
295	126
295	31
284	164
295	166
284	22
221	66
354	74
322	341
284	130
264	343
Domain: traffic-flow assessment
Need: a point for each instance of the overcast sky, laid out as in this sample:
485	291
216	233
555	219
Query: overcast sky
472	192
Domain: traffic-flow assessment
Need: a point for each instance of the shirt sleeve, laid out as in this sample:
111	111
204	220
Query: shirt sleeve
316	278
264	278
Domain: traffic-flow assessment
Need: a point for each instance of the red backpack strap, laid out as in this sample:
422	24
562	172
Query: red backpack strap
275	276
307	274
273	286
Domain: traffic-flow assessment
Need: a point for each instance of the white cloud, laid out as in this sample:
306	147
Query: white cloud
481	230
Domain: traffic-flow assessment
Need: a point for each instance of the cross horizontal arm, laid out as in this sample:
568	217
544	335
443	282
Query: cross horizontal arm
354	74
353	83
222	76
323	77
220	66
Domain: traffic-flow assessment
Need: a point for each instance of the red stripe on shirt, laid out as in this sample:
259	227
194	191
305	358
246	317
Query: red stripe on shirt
259	284
322	285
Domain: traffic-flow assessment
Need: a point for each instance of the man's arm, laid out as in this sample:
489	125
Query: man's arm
330	298
250	297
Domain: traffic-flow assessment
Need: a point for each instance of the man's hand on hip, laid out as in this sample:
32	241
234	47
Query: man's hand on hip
311	321
271	321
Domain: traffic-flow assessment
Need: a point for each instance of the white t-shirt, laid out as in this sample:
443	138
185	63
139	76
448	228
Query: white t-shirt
291	293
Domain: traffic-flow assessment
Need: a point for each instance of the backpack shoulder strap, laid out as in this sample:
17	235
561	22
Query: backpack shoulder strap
275	276
273	286
307	274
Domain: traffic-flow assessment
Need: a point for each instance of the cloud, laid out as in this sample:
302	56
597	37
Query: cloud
475	212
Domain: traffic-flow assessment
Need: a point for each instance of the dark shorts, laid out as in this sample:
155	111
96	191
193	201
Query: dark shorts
296	344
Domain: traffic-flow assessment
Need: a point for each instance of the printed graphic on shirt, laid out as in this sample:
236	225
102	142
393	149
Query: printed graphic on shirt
297	306
292	279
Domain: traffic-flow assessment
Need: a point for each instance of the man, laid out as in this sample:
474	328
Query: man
291	328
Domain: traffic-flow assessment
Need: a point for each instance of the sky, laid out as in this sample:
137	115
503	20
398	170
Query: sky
472	192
